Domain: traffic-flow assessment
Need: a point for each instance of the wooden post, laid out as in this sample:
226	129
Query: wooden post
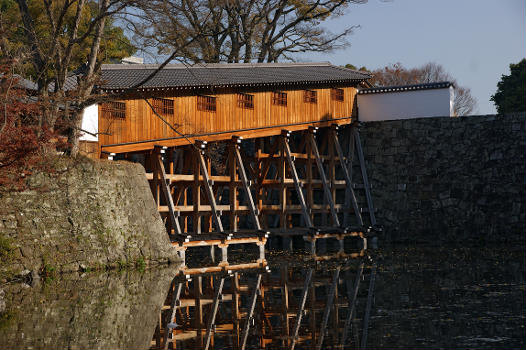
308	173
196	196
282	173
232	190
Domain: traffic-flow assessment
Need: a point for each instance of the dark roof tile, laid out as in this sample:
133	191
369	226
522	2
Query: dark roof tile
120	76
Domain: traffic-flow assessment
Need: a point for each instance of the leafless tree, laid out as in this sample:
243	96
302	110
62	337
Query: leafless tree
396	74
238	30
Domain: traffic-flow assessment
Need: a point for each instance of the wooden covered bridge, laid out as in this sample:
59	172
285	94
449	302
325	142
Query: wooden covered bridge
235	152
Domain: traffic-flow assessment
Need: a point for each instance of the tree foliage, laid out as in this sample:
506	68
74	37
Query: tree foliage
361	69
396	74
51	41
511	90
22	139
238	30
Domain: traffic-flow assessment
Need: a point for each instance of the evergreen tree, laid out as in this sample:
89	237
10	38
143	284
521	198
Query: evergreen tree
511	90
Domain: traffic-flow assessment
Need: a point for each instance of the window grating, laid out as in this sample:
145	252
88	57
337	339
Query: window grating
206	103
337	94
310	96
163	106
245	101
279	98
114	110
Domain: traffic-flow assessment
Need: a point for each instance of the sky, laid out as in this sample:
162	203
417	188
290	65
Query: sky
475	40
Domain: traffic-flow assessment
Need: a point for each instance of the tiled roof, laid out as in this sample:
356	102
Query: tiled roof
402	88
178	76
70	84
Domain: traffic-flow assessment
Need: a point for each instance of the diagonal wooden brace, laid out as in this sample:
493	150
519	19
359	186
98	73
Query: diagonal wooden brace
364	175
208	189
297	184
244	180
166	191
326	189
347	176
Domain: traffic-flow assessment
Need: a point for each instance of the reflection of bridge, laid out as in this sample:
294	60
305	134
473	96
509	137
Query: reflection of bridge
292	307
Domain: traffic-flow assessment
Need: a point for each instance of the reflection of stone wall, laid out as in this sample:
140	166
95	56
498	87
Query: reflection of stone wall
449	178
449	298
96	311
95	214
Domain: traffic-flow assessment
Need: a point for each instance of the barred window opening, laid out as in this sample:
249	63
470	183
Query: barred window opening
337	94
310	96
206	103
114	110
245	101
163	106
279	98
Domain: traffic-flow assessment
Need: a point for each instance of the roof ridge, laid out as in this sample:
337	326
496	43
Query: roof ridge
216	65
410	87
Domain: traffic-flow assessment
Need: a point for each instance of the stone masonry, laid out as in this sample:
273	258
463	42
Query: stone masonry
449	179
87	215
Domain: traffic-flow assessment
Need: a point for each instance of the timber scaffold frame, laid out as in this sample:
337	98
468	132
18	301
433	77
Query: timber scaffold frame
241	191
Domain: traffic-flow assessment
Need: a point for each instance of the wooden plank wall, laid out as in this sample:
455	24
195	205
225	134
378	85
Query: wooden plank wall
140	124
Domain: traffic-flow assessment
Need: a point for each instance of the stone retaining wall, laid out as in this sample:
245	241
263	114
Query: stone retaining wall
87	215
453	179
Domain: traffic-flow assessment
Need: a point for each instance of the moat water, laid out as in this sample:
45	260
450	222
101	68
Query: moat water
401	297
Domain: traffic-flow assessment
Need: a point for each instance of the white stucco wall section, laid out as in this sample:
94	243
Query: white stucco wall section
90	123
406	104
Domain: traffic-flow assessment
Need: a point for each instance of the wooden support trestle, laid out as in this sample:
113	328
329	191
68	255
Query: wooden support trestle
291	183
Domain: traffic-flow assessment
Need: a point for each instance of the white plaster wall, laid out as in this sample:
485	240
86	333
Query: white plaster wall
405	104
90	123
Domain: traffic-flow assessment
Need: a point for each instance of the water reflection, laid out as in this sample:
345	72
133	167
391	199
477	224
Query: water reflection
114	310
398	298
292	306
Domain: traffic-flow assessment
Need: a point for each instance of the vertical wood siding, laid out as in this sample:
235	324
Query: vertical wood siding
141	124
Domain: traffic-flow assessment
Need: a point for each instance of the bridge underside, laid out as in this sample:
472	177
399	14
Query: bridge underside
309	182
